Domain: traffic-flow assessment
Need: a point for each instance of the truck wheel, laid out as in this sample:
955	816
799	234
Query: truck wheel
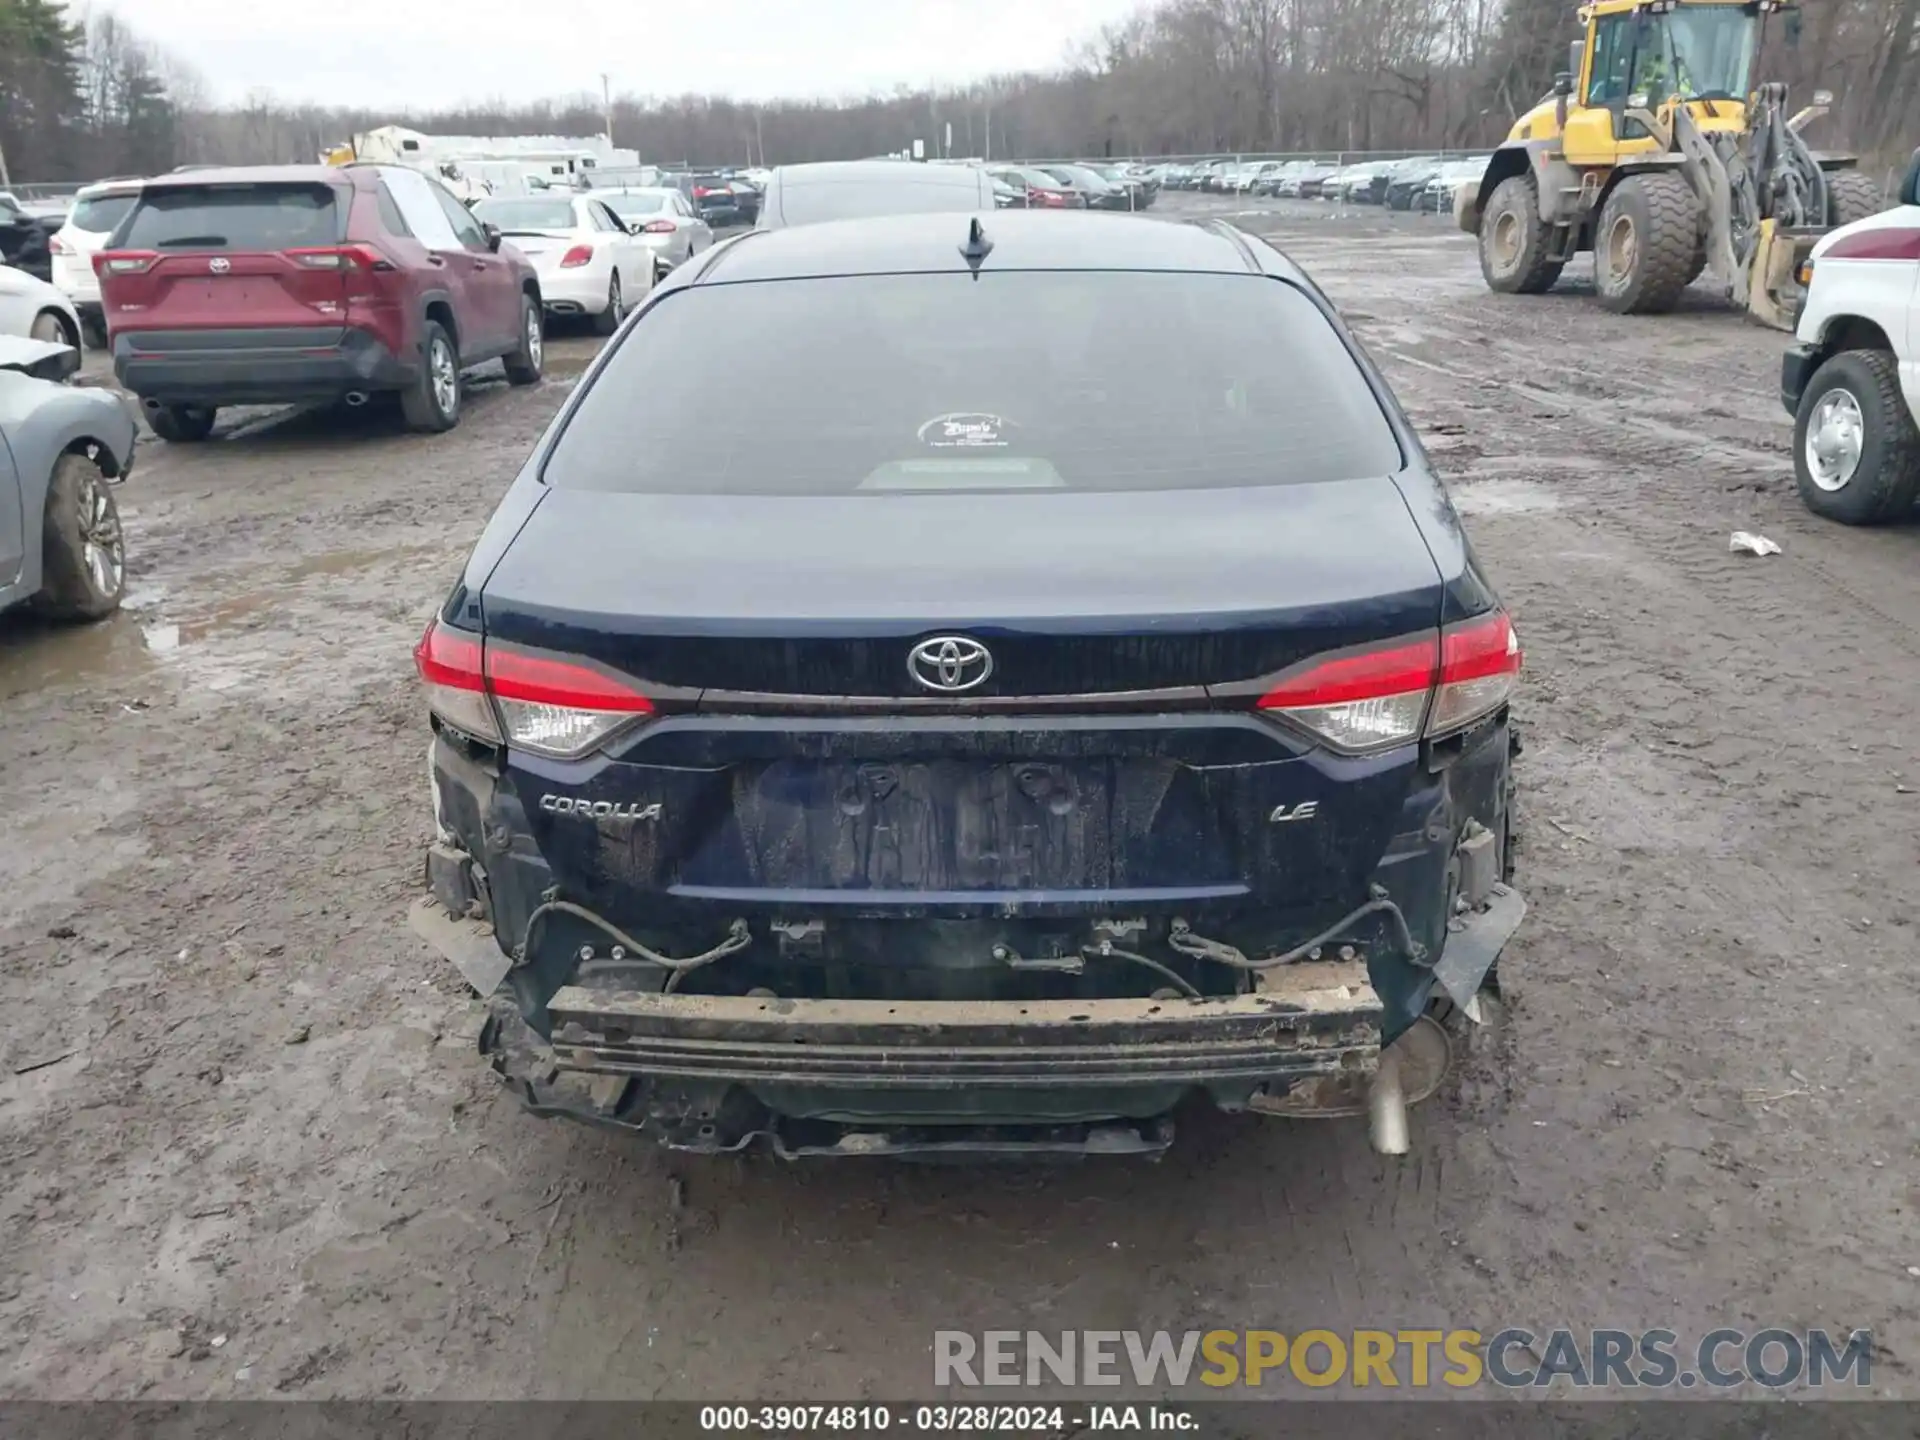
1513	241
83	556
1856	452
1644	246
181	424
1851	196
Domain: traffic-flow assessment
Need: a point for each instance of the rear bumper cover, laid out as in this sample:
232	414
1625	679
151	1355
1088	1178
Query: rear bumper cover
254	367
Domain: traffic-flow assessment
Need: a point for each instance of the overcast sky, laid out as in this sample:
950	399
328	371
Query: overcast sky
427	53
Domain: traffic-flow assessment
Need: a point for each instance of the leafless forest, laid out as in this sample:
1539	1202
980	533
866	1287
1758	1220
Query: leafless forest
1182	77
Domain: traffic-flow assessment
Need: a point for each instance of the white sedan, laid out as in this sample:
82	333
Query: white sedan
34	310
665	219
589	262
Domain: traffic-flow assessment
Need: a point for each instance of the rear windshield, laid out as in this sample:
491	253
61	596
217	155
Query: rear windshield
235	217
98	214
1021	380
636	204
812	201
511	215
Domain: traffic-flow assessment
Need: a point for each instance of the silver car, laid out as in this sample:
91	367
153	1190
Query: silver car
61	450
665	219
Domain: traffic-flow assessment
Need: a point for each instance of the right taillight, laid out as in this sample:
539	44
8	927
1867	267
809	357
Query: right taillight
534	702
657	227
1479	666
1390	695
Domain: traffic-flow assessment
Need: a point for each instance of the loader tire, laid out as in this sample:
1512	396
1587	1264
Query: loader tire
1644	246
1514	240
1851	196
1856	451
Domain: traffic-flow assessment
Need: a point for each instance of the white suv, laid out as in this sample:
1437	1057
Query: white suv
96	210
1852	382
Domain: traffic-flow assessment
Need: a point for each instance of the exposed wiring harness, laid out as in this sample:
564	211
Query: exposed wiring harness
1180	937
739	937
1106	948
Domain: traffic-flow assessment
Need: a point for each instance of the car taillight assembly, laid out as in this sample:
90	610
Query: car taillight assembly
657	227
534	702
59	247
1435	685
124	262
576	257
340	257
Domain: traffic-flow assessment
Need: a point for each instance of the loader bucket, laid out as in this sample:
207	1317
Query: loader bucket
1774	292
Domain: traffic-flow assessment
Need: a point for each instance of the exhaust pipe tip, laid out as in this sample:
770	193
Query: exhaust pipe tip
355	399
1387	1107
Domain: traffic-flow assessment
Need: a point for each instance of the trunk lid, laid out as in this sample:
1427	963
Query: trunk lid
798	767
543	247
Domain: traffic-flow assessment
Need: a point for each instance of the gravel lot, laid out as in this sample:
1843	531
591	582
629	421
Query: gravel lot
249	1150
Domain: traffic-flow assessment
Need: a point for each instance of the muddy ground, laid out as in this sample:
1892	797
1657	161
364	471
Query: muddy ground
248	1149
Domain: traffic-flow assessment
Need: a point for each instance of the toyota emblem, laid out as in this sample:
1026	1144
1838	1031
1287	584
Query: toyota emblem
949	663
219	265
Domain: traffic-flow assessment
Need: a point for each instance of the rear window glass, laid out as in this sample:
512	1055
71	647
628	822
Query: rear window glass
511	215
1020	380
637	204
235	217
813	201
98	214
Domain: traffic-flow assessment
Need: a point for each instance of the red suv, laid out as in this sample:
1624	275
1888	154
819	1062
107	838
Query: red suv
299	283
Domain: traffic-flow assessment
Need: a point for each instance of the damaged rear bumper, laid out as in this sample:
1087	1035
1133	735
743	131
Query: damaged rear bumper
949	1078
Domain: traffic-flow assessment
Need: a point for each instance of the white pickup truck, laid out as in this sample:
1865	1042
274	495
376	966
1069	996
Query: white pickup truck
1852	380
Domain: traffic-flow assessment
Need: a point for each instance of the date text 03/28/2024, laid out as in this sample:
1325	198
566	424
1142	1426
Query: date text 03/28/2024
944	1419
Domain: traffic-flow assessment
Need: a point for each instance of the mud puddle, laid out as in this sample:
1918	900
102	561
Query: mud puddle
154	628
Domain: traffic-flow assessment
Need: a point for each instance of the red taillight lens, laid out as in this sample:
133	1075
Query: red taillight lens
657	227
1479	667
449	662
1391	695
494	692
579	255
1365	701
124	262
59	246
340	257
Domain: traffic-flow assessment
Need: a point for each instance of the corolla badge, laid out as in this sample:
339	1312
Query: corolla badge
219	265
949	663
600	809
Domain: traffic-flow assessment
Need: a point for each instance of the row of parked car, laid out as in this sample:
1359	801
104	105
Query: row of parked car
1419	182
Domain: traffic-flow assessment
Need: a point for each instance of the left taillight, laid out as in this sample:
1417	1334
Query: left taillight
579	255
539	703
449	662
1433	685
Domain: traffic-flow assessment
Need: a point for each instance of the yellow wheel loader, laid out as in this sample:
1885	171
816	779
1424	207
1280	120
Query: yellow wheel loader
1657	154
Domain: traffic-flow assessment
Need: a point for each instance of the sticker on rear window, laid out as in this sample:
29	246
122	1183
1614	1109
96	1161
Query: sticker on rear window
967	430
